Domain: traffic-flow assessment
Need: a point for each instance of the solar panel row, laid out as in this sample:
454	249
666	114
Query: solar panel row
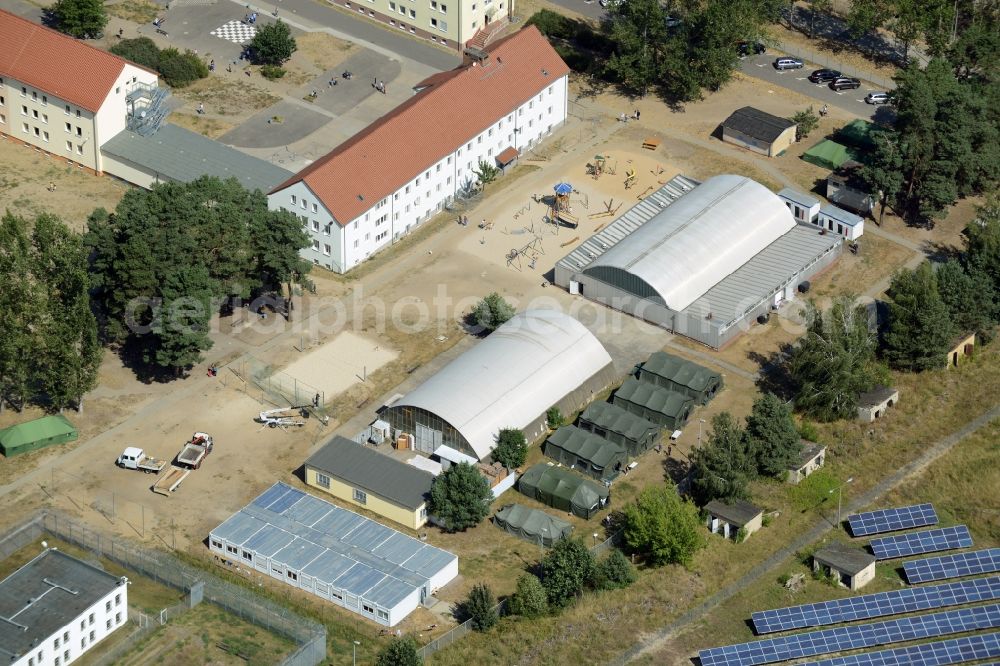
939	653
916	543
865	606
953	566
890	520
840	639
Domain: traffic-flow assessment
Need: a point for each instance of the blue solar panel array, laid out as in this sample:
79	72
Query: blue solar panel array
953	566
939	653
840	639
890	520
916	543
865	606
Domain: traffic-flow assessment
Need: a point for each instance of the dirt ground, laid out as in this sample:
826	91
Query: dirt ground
344	361
25	175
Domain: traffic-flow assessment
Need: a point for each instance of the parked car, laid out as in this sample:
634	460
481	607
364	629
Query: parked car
845	83
746	48
824	75
787	63
877	98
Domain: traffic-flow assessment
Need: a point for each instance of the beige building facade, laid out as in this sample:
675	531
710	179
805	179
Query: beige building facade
450	23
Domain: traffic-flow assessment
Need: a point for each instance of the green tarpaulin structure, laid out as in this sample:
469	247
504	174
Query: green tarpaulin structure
586	452
37	434
562	489
857	134
681	375
829	155
667	408
531	524
614	424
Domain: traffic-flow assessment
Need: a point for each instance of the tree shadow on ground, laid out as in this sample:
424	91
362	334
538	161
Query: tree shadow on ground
773	376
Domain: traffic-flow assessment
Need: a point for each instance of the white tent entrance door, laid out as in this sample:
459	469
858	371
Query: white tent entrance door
427	439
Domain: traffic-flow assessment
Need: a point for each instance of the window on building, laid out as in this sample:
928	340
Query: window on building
45	137
24	91
413	13
315	225
444	8
368	609
384	615
322	480
360	496
118	618
45	118
31	661
93	635
3	119
83	642
79	149
392	6
326	249
24	110
37	133
315	208
292	575
67	109
69	146
434	4
34	95
57	661
34	113
78	113
107	625
66	655
118	597
294	200
107	606
55	643
79	131
231	549
356	242
66	638
316	245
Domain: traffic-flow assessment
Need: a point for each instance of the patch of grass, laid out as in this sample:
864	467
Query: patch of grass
137	11
225	97
213	128
814	491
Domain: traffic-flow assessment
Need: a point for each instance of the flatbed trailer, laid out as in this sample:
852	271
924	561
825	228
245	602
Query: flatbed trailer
171	480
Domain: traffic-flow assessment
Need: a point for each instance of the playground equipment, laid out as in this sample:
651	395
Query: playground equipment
562	212
609	209
596	168
629	178
531	250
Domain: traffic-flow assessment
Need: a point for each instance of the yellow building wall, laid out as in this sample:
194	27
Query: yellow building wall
374	503
956	353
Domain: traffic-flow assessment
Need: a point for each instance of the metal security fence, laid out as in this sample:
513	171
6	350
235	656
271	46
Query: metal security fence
167	569
265	382
830	60
452	635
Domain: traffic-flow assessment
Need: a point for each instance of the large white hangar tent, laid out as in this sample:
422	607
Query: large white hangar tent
538	359
334	553
699	259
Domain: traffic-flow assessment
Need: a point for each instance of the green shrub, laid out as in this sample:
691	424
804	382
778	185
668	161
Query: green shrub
807	431
614	572
552	24
142	51
272	72
181	69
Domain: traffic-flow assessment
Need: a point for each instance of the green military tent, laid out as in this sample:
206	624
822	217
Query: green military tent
531	524
615	424
681	375
562	489
857	134
829	155
586	452
37	434
667	408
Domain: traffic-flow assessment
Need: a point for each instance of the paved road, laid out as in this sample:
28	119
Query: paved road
589	8
360	31
767	567
852	101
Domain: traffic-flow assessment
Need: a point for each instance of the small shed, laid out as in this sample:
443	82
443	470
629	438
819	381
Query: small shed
36	434
617	425
805	208
507	156
810	458
962	347
562	489
531	524
839	221
681	375
852	567
846	189
586	452
728	518
872	405
662	406
759	131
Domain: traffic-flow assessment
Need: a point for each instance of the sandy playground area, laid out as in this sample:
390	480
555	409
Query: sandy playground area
340	363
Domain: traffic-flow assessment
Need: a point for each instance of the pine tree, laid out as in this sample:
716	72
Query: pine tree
614	572
21	302
920	328
480	607
529	599
724	466
772	439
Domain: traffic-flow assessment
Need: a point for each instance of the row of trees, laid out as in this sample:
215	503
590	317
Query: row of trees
165	259
734	455
945	144
49	348
177	69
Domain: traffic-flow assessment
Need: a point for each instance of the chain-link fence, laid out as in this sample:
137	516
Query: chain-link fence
277	387
830	60
170	571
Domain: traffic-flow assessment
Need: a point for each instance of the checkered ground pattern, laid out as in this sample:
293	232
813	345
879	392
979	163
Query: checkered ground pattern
236	32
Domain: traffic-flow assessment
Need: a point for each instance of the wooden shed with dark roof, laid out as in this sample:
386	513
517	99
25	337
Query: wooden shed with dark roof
759	131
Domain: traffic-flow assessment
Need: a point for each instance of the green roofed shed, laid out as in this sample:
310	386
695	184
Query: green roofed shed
617	425
681	375
669	409
37	434
830	154
857	134
562	489
586	452
531	524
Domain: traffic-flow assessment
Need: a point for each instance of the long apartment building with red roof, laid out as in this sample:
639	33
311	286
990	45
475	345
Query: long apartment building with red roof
385	181
62	96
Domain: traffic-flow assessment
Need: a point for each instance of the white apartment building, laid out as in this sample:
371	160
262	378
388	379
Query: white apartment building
62	96
55	608
451	23
398	172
